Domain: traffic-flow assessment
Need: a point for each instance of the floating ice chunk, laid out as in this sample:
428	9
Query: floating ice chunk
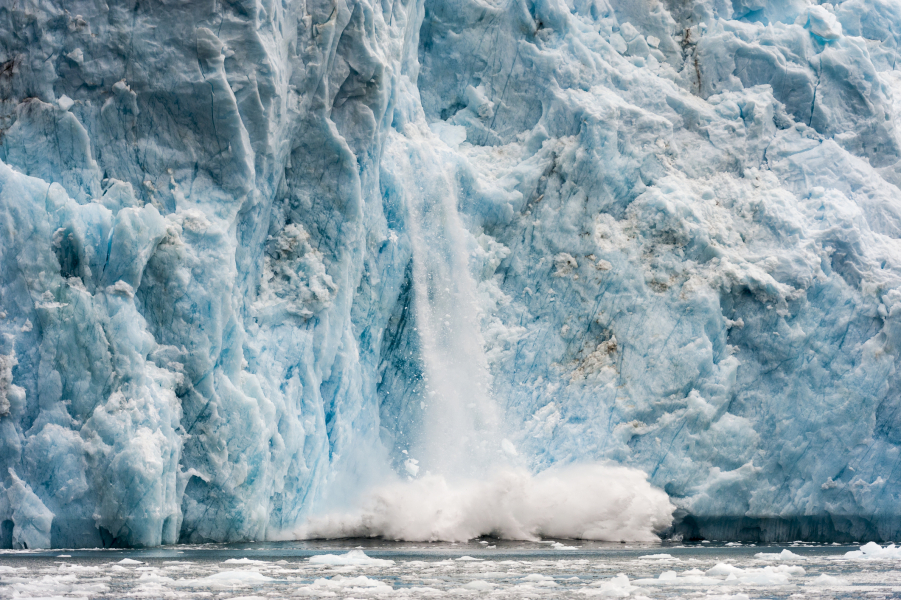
559	546
828	580
873	551
146	578
53	587
479	585
767	576
668	576
226	580
130	561
617	587
657	557
785	555
244	561
349	584
823	23
468	558
777	575
354	558
724	570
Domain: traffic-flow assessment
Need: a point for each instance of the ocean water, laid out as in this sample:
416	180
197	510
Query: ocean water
365	568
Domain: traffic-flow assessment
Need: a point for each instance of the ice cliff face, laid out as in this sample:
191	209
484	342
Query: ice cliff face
681	221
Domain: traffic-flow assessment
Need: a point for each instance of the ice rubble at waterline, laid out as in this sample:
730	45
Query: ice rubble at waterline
224	226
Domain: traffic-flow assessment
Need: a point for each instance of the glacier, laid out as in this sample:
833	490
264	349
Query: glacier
258	257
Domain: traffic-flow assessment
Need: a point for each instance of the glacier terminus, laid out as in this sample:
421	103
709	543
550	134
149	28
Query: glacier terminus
436	269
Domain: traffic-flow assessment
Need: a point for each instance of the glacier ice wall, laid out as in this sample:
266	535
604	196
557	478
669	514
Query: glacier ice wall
682	219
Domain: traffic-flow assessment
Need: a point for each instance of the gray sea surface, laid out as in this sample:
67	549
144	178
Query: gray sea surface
365	568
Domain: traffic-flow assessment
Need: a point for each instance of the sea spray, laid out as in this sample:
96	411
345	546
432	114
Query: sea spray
584	501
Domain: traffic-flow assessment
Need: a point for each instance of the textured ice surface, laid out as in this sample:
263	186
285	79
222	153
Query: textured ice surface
232	237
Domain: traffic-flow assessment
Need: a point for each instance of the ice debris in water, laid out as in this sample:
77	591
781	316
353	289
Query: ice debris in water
785	555
607	574
726	574
873	551
561	546
244	561
225	580
250	258
825	580
354	558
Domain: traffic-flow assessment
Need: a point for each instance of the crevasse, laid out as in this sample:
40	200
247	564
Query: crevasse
681	222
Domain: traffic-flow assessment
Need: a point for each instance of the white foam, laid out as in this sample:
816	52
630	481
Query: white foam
583	501
354	558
